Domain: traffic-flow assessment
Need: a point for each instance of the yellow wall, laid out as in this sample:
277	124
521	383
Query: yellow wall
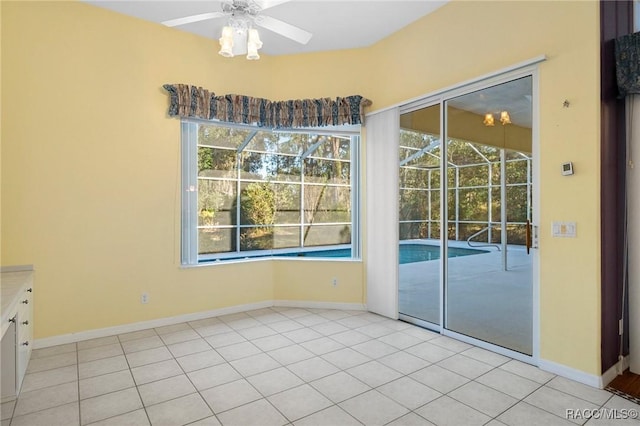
294	282
436	52
0	132
91	167
90	163
507	33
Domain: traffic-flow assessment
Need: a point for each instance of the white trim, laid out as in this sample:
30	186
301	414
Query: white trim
592	380
160	322
559	369
571	373
17	268
356	196
143	325
352	129
404	105
535	202
189	193
444	212
615	370
440	97
320	305
190	182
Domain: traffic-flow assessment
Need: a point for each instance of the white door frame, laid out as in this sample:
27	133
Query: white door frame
528	68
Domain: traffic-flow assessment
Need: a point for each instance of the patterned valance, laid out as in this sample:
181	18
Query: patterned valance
195	102
628	64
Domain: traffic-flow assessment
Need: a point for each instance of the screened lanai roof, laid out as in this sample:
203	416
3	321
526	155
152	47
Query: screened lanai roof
421	150
283	141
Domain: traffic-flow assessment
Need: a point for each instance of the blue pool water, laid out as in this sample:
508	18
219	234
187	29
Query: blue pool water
409	253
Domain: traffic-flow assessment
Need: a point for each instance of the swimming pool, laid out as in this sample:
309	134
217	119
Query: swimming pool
409	253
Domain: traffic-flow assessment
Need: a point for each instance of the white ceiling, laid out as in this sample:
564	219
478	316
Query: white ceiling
334	24
513	96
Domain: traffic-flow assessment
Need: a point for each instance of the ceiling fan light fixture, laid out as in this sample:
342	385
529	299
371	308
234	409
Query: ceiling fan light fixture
505	118
254	38
226	42
253	44
241	17
488	120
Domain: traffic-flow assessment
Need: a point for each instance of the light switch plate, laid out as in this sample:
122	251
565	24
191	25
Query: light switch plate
563	229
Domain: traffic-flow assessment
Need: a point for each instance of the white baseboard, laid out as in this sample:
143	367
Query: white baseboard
160	322
17	268
614	371
571	373
550	366
592	380
143	325
320	305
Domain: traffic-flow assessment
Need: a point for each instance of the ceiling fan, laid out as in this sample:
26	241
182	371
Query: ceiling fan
242	15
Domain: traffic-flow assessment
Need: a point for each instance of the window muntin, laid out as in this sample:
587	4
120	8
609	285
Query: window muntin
254	192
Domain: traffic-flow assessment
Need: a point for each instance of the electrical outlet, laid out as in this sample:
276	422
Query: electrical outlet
334	282
144	298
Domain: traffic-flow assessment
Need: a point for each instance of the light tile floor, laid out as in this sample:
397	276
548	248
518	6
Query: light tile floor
292	366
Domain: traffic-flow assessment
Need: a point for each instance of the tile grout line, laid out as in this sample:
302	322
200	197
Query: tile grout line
236	330
134	383
350	328
266	398
292	372
213	413
78	372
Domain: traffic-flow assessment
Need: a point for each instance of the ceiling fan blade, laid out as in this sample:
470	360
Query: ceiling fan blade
266	4
192	18
284	29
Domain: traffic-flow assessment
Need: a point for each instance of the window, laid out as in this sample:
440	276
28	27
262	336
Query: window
251	192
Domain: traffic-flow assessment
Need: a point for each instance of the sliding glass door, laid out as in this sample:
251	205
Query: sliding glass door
466	205
419	215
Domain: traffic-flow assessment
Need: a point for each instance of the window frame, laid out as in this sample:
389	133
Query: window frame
189	196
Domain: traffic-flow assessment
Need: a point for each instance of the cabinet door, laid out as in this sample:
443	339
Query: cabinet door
25	332
8	363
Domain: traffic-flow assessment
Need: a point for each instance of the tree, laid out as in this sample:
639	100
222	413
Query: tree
257	207
468	176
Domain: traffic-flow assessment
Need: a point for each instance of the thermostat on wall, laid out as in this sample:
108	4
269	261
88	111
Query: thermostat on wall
567	168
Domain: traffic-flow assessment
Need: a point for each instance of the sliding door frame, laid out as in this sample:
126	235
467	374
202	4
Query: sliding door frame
525	69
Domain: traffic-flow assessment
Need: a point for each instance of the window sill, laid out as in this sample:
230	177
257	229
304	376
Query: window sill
263	259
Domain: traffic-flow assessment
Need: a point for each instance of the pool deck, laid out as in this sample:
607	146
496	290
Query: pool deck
484	301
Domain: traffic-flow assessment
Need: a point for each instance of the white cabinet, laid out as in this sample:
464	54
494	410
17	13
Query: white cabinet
24	332
16	284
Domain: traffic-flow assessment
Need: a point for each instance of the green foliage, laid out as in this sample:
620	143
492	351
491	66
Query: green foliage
216	162
473	173
215	202
257	204
271	169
